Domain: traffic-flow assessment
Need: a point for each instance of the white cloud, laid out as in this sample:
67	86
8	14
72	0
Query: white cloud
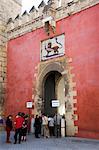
27	4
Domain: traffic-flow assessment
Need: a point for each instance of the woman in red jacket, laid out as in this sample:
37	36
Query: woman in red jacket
18	127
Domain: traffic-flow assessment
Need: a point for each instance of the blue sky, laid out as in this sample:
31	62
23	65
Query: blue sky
27	4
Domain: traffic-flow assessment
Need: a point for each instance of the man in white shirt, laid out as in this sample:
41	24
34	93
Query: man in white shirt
45	126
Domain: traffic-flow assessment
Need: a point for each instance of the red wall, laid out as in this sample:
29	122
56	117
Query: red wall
82	43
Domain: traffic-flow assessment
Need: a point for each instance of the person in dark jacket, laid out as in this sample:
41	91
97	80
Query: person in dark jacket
37	126
8	128
24	128
40	119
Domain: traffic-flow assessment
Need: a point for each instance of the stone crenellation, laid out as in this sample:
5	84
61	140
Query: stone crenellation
28	22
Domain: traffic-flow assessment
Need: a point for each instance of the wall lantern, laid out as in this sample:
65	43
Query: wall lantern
49	25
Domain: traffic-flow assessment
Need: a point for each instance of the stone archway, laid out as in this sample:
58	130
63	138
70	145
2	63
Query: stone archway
51	67
63	67
49	86
48	68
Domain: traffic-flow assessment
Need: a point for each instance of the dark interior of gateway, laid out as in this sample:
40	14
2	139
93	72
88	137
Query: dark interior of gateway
50	92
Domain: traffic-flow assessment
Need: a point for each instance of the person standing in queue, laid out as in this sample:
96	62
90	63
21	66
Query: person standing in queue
24	128
9	127
57	122
18	127
37	126
51	126
45	126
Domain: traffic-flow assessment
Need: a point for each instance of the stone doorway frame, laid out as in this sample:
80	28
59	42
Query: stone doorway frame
47	69
63	66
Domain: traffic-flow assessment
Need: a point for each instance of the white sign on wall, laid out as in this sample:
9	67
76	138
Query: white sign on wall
53	47
28	104
55	103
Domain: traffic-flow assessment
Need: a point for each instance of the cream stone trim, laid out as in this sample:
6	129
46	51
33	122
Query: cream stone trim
76	116
72	84
75	101
70	60
71	100
75	108
14	29
35	75
76	129
73	93
64	72
32	96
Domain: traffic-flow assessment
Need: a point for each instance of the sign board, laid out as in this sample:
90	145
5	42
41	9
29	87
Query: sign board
55	103
28	104
53	47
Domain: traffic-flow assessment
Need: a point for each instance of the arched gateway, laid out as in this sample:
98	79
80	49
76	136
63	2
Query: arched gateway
48	84
53	82
51	89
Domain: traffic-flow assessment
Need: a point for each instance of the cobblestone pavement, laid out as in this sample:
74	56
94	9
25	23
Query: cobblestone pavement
68	143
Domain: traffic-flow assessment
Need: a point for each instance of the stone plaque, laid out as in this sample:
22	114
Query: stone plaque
53	47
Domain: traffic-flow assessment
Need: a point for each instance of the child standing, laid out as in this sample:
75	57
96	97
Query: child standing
24	129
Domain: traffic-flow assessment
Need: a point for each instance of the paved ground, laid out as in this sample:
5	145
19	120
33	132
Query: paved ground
50	144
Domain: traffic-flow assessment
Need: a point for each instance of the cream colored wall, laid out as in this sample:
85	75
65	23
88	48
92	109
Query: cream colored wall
8	9
61	96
